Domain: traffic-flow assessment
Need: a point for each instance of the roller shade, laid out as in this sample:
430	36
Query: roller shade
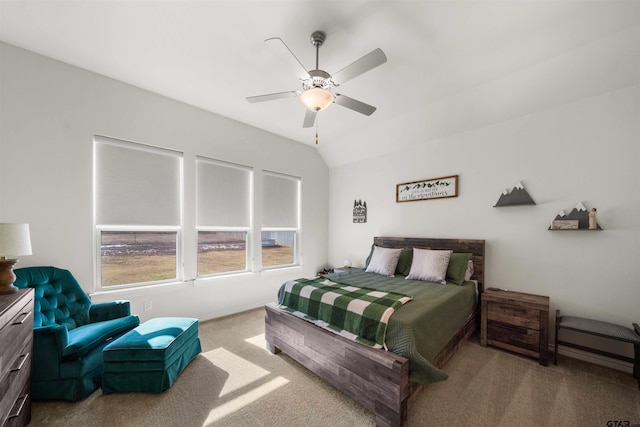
223	194
280	202
136	184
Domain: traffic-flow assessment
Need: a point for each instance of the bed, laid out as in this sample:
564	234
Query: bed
382	381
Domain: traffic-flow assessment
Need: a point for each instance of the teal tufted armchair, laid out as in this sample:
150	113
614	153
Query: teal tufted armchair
69	333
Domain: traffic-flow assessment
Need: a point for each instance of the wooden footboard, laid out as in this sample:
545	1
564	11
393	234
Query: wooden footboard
377	379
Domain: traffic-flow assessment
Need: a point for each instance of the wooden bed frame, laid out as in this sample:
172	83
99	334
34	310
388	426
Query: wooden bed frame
377	379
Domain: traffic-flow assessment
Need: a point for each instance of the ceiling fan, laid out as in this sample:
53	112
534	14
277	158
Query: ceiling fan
316	92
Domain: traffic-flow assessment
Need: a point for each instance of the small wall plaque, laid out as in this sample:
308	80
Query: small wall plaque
359	211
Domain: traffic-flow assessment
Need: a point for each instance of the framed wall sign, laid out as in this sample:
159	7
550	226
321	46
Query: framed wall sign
436	188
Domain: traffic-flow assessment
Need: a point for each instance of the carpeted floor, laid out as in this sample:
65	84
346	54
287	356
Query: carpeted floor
236	382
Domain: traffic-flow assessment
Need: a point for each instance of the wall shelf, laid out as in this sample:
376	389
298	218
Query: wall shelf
517	196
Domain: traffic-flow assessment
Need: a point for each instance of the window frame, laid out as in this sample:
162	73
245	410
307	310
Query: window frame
99	228
142	229
247	252
297	255
248	229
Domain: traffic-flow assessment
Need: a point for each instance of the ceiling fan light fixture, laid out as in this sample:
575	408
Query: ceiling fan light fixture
316	99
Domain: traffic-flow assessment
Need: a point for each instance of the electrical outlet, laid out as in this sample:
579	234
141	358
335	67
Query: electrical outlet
148	305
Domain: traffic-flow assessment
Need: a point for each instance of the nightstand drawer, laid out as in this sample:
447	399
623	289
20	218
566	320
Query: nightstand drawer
515	315
514	335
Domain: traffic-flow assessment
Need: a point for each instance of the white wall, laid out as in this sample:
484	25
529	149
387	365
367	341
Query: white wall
586	150
49	112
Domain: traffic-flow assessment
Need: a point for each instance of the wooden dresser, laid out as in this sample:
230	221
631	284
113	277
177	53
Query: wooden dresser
516	322
16	343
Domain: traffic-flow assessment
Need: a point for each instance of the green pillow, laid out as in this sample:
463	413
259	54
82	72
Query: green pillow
404	262
457	267
366	263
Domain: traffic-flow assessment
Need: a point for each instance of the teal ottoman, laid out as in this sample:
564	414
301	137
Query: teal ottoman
150	357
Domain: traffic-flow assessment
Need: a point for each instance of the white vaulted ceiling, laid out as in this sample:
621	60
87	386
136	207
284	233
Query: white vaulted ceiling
452	65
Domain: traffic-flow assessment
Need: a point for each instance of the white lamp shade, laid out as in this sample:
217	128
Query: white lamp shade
15	240
316	99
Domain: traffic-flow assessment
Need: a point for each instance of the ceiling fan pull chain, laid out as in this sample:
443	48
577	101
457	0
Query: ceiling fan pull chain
317	120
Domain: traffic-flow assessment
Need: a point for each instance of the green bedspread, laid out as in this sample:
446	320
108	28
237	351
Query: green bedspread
420	329
356	313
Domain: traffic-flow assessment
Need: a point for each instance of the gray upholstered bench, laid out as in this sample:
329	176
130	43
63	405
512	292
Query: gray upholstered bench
150	357
601	329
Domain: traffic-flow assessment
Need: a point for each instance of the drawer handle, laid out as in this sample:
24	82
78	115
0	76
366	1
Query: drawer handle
25	316
18	406
23	358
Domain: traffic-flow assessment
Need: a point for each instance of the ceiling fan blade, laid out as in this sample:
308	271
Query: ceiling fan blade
309	118
272	96
299	69
354	105
369	61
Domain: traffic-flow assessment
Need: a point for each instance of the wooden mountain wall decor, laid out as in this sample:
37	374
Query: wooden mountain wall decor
517	196
579	214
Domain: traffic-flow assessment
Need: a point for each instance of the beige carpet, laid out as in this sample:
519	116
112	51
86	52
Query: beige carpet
235	382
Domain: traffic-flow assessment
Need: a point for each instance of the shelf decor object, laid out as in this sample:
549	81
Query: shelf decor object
516	197
580	218
436	188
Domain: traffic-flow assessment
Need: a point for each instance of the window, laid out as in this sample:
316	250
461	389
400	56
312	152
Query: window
138	212
280	220
223	216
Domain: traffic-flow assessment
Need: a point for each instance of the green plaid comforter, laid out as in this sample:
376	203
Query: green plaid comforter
359	314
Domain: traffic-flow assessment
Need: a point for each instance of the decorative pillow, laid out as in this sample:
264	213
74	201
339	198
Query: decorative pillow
383	261
404	262
458	264
469	272
429	265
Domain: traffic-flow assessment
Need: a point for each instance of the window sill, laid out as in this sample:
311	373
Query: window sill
141	290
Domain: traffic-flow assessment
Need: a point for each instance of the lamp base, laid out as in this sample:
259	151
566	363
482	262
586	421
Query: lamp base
7	276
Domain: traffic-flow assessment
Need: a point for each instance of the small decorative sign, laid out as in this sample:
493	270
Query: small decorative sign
437	188
564	224
359	211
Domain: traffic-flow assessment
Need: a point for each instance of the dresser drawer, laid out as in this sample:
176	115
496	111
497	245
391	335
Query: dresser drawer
517	336
514	315
17	377
20	412
12	334
16	336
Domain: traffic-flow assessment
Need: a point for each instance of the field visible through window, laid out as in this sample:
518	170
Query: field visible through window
136	257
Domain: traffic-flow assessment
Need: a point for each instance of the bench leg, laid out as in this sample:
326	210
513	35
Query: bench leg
636	363
555	351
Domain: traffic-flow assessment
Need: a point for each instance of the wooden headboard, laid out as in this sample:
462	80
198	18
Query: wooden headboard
474	247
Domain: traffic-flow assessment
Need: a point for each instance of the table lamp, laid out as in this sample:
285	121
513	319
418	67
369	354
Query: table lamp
15	240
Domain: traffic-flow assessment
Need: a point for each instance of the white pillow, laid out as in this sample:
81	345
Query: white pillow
429	265
383	261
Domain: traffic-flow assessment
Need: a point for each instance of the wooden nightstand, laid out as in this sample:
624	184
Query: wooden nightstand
516	322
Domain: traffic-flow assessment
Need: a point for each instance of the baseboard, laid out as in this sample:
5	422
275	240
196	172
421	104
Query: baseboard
596	359
232	310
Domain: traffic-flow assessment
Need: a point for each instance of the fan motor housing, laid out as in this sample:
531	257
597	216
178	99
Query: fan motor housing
319	78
